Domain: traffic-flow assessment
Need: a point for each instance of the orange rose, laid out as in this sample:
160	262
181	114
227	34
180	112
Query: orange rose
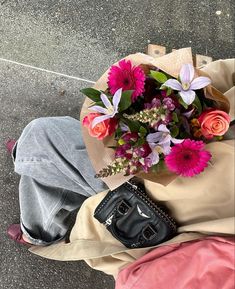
214	123
102	129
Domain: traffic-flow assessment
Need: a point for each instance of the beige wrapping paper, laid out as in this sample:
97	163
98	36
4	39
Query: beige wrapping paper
202	205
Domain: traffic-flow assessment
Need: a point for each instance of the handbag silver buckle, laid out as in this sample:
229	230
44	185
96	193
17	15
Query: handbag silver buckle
108	222
149	232
135	187
123	207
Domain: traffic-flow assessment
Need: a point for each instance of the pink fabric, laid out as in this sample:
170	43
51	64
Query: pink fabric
203	264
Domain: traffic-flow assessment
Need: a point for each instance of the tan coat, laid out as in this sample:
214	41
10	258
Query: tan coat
203	205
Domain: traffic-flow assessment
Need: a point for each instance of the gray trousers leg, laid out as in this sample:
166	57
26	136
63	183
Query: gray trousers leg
56	177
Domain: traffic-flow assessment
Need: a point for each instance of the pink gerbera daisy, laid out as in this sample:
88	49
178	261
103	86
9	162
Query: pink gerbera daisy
127	77
188	158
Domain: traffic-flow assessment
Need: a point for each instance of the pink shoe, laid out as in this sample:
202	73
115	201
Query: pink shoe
10	145
14	232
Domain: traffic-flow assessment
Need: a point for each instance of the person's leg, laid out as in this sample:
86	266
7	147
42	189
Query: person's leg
46	211
56	177
55	144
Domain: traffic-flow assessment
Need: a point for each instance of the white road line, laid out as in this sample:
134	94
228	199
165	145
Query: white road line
45	70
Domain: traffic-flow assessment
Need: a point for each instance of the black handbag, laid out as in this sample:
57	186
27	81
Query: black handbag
133	218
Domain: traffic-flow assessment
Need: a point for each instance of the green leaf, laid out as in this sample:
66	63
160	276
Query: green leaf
174	131
175	117
139	142
219	138
198	105
134	126
159	76
160	166
99	103
125	101
119	132
142	131
168	91
184	134
155	168
92	93
183	103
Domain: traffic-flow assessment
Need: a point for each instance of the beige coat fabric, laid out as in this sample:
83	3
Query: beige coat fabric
203	205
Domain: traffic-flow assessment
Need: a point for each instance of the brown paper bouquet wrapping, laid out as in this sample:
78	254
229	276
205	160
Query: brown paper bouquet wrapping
100	155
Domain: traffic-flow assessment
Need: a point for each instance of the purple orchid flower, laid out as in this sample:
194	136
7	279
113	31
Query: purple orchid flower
160	142
187	84
110	110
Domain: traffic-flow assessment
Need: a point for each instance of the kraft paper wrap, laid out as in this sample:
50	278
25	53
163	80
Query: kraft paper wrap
100	155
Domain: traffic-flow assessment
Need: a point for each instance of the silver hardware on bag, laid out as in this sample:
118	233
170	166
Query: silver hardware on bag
132	185
123	207
135	245
141	213
108	222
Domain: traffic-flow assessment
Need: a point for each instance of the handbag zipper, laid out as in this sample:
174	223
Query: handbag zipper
109	221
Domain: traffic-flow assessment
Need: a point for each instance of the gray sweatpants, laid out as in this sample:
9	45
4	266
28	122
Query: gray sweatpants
56	177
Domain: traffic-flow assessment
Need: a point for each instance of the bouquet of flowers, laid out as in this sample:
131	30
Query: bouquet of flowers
158	122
